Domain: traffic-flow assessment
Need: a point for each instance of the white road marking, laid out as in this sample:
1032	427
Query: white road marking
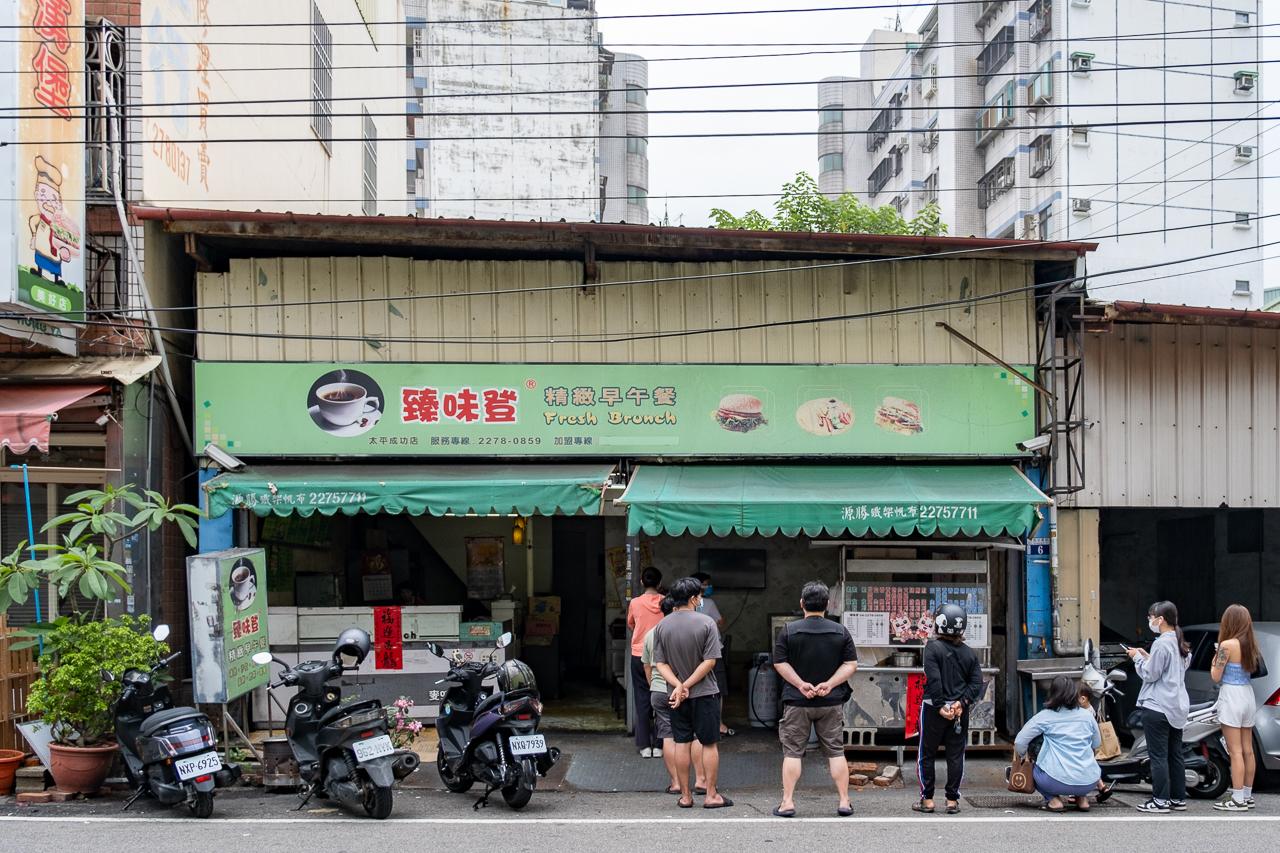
604	821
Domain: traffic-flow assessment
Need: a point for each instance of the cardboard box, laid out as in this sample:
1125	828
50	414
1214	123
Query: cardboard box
479	632
544	605
541	626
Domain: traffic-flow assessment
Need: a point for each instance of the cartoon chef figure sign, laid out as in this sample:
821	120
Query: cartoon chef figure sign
55	237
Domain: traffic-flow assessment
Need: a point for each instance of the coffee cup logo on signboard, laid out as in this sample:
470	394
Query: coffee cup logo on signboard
345	403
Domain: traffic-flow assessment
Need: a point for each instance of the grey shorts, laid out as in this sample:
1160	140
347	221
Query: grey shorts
828	720
661	715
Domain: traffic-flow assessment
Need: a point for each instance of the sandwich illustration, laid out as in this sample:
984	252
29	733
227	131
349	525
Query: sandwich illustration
900	416
740	413
825	417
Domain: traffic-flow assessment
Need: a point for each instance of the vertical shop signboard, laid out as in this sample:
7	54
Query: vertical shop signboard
228	622
388	642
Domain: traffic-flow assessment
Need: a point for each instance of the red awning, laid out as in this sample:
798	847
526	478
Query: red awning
27	410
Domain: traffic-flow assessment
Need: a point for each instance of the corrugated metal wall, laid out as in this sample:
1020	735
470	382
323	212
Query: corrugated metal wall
1182	416
441	311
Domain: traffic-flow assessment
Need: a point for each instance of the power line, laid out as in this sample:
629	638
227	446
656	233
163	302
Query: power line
363	300
596	91
846	48
656	335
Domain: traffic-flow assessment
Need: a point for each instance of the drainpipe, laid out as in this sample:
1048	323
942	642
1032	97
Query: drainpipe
1060	646
157	339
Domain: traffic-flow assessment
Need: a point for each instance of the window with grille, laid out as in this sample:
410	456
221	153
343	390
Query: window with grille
995	114
370	171
887	168
995	54
1041	154
104	62
830	163
995	183
321	78
930	188
1041	19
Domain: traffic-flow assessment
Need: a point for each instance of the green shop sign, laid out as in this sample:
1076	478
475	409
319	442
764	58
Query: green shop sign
307	409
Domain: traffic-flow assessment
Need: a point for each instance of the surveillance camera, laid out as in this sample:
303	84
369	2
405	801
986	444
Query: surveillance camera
222	458
1039	442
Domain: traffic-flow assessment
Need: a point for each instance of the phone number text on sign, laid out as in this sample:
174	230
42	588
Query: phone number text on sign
248	501
926	512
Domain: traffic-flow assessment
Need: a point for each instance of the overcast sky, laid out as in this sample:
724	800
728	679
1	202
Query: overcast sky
683	166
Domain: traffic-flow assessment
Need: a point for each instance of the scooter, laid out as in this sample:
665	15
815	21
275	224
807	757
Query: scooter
491	736
343	749
169	753
1207	762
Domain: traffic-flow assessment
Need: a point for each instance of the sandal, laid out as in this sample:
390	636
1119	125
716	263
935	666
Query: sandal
1045	807
724	803
1082	804
671	790
778	811
953	808
1105	793
701	792
682	804
922	808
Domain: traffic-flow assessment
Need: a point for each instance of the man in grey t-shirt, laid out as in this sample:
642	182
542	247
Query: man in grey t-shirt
686	646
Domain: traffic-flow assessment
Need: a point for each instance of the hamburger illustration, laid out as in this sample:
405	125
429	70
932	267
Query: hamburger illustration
825	417
900	416
740	413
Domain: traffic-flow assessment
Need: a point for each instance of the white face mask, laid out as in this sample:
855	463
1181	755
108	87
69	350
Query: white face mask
1154	625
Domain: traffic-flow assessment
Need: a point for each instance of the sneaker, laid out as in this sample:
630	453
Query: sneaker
646	753
1251	803
656	752
1178	805
1152	807
1230	805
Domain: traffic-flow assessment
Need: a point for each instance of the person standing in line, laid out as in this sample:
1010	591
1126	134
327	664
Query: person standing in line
953	682
1066	766
1234	661
660	702
1164	705
686	646
644	611
815	658
710	608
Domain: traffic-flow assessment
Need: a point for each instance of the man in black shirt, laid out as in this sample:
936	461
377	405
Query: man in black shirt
815	658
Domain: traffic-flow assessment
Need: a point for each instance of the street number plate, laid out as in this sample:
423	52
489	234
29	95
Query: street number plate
197	765
374	747
528	744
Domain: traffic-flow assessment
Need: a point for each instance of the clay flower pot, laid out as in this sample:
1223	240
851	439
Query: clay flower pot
80	769
10	761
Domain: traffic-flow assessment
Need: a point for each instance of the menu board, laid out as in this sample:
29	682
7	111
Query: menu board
901	614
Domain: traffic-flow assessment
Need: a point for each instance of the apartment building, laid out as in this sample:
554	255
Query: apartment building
624	140
506	105
1132	123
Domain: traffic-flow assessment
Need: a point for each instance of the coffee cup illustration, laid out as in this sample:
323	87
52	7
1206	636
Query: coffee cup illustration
244	585
344	403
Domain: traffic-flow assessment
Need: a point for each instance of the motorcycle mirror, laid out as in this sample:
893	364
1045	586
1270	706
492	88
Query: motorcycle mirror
1118	676
161	633
262	658
108	676
505	640
436	649
1088	652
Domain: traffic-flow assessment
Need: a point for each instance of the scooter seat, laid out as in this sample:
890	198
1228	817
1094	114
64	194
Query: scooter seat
167	717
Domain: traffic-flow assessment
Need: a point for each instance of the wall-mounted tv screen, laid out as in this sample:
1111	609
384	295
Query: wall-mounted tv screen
733	568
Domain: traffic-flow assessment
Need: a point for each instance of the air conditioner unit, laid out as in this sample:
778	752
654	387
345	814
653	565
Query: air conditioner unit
1005	180
1082	4
930	87
1244	153
1080	136
1244	221
1039	100
903	143
1081	63
930	141
1081	206
1246	80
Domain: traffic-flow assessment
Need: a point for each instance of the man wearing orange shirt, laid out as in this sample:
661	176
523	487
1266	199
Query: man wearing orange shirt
644	612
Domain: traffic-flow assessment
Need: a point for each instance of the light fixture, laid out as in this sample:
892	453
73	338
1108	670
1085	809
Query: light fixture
222	458
517	530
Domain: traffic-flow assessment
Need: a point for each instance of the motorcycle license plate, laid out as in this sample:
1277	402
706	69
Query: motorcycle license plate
374	747
197	765
528	744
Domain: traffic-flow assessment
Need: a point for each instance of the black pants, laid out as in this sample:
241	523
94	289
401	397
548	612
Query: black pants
936	730
643	706
1168	765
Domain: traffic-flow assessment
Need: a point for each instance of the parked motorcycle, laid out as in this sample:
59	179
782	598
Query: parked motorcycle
343	748
169	753
491	736
1208	764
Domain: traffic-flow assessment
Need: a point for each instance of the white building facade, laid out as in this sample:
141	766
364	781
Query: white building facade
1131	123
505	105
624	140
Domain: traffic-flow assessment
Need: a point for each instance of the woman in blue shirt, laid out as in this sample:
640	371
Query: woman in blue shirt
1065	766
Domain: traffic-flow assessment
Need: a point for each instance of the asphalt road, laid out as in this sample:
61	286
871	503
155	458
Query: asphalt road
576	822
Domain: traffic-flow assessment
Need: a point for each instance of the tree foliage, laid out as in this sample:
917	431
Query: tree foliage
803	208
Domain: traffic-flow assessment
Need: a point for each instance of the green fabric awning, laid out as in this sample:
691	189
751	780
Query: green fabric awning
830	500
415	489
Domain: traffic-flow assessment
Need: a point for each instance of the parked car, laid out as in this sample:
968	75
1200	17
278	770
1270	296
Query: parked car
1266	683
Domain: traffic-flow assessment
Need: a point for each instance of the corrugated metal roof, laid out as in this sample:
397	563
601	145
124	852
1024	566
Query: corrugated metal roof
126	371
292	234
1151	312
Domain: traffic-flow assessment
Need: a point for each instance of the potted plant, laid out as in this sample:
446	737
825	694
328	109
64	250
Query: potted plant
70	694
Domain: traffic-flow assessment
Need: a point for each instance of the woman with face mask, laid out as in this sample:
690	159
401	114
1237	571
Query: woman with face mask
1164	705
